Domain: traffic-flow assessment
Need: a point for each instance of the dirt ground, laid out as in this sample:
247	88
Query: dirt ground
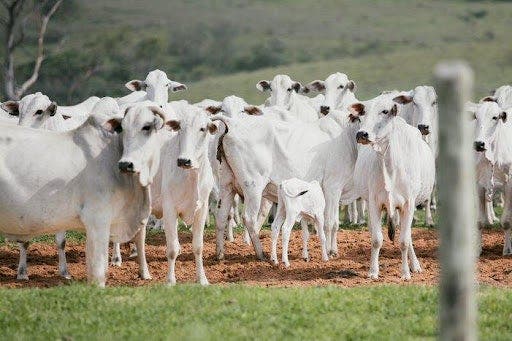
350	268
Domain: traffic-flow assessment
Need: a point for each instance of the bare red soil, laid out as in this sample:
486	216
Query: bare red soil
350	268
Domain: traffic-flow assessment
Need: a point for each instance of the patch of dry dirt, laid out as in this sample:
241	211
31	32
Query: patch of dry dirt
350	268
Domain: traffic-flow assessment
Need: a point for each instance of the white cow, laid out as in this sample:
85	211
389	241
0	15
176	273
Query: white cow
502	96
493	141
183	175
284	92
396	171
258	153
54	181
154	88
302	201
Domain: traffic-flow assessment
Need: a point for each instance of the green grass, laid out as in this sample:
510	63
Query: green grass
238	312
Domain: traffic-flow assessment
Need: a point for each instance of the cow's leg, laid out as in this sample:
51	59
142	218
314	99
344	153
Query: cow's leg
133	251
197	243
361	209
276	226
223	208
230	226
428	214
331	221
140	239
22	264
252	208
406	217
374	220
506	220
96	251
305	239
60	240
173	244
415	263
265	208
287	230
116	254
236	208
319	225
352	212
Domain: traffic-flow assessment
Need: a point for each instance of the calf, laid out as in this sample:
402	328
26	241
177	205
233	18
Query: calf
302	201
395	171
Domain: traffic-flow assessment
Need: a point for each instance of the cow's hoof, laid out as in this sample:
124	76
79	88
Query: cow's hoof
373	275
507	251
204	282
220	256
406	277
286	264
416	268
65	275
145	276
333	253
23	277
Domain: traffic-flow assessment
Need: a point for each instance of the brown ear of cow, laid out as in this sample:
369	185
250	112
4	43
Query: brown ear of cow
113	125
489	99
317	85
213	109
212	128
503	116
135	85
12	107
403	99
52	109
173	124
296	86
357	109
263	85
351	85
253	110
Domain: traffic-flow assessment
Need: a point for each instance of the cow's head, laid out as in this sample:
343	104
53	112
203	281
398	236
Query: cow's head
141	142
32	110
281	88
424	101
336	88
193	128
378	115
233	106
157	86
489	119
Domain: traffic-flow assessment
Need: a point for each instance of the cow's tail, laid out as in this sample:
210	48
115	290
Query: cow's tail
220	147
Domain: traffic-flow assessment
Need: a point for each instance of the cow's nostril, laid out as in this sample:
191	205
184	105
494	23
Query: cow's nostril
324	109
424	129
184	163
479	146
126	167
362	137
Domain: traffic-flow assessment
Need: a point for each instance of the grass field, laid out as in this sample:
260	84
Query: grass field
235	312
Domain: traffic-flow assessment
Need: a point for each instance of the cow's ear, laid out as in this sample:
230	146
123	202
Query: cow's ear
297	86
351	85
173	125
357	109
135	85
253	110
263	86
489	99
113	125
403	99
212	128
503	116
52	109
176	86
12	107
212	109
316	85
394	110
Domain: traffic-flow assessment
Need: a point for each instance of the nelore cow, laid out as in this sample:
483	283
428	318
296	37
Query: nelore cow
395	171
259	153
54	181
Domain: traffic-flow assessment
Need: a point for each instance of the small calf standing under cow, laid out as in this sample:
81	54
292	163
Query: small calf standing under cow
302	201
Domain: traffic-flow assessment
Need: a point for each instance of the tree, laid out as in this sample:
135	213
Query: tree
14	26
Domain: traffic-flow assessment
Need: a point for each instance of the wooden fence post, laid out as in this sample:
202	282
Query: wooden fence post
457	197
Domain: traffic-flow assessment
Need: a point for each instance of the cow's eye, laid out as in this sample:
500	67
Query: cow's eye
146	128
495	118
341	87
434	103
39	112
385	112
202	129
289	89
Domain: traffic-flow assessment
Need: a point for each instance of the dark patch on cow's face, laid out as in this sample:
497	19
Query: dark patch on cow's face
354	118
503	116
351	86
394	110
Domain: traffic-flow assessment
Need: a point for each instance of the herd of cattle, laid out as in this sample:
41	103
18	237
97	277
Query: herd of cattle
105	165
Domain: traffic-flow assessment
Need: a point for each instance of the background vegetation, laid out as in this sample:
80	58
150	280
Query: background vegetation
381	44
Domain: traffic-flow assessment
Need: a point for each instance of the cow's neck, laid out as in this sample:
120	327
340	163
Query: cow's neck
92	137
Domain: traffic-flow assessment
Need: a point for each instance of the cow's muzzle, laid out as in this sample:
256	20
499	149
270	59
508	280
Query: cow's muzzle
184	163
362	137
126	167
480	146
324	109
424	129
